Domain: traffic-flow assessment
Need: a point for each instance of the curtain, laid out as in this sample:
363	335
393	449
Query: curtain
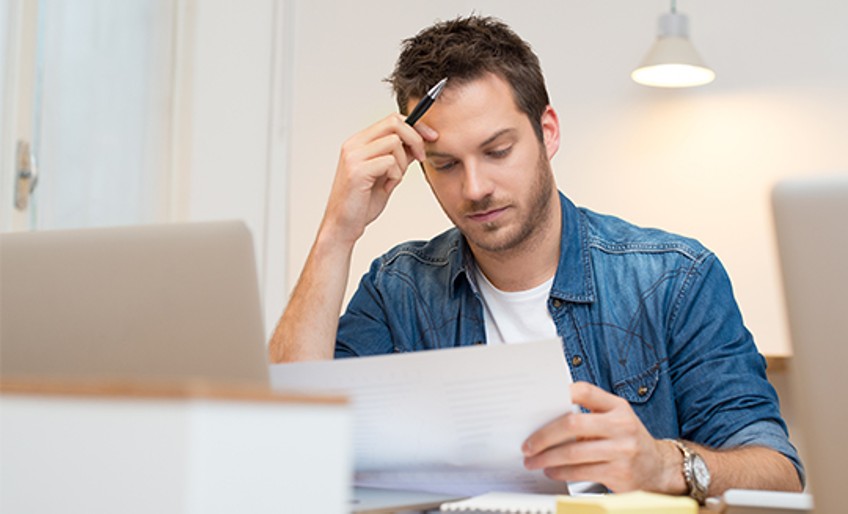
102	112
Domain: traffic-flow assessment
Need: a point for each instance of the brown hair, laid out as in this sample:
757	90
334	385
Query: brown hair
464	49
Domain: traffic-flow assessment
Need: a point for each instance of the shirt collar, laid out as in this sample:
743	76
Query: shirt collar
574	280
463	263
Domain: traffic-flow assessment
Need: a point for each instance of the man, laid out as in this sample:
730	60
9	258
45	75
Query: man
673	391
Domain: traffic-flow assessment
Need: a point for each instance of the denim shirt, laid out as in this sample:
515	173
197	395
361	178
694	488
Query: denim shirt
644	314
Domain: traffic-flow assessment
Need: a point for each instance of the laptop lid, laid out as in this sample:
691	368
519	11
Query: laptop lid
164	302
811	219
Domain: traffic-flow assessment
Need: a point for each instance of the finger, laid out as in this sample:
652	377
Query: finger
427	132
393	124
413	137
593	398
573	453
393	177
387	145
607	474
362	160
615	476
577	427
402	157
578	473
561	430
384	167
372	174
390	185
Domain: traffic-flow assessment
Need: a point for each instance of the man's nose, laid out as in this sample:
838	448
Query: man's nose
476	182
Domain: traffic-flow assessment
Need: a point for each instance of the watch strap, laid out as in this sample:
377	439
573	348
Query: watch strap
696	490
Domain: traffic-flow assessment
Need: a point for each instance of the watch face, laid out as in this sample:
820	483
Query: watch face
702	474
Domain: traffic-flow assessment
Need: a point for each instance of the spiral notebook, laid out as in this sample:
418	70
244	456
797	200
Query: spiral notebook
504	503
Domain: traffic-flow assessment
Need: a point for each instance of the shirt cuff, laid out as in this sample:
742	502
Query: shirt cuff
772	435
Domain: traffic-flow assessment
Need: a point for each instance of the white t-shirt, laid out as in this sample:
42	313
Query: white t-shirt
521	317
516	317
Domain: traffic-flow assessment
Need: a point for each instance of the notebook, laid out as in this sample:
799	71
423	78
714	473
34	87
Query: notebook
811	219
164	302
504	503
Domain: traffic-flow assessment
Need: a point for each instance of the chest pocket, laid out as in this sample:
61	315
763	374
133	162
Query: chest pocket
639	388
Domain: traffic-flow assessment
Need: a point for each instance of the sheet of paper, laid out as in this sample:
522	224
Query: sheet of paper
449	421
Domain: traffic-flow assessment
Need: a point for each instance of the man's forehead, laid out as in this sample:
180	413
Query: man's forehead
434	149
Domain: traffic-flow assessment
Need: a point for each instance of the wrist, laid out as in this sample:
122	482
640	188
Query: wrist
695	472
674	481
332	234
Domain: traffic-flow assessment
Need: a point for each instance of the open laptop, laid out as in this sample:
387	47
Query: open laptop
158	302
164	302
811	219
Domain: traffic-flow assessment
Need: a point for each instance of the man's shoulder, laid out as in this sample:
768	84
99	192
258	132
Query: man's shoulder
611	234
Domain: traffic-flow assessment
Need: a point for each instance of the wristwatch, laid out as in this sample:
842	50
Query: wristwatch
695	472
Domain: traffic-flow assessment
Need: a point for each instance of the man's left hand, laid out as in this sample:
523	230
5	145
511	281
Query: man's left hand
609	445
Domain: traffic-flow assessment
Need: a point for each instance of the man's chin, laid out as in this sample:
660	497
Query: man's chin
491	239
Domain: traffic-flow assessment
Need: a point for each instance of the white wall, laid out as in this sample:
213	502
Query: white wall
699	161
229	136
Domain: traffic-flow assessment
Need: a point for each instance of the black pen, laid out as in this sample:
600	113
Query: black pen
426	102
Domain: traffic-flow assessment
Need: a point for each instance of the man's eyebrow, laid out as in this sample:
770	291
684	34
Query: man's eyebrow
495	136
491	139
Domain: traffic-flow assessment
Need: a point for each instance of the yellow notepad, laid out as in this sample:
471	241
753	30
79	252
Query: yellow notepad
627	503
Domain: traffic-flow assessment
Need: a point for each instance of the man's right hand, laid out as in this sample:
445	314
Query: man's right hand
372	163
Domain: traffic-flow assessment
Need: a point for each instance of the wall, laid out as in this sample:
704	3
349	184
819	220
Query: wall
699	161
230	107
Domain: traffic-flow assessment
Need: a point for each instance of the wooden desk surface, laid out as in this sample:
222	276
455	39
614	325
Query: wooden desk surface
188	390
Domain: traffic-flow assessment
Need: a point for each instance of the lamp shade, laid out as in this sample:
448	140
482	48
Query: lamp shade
672	61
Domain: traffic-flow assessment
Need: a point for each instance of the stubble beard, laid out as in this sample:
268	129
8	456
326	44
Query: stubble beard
538	211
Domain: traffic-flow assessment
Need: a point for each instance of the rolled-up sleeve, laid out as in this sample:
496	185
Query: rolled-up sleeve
722	394
363	329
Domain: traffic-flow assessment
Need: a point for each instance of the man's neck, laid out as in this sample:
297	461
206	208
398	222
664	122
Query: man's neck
528	265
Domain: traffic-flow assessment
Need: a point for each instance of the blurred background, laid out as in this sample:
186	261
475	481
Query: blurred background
145	111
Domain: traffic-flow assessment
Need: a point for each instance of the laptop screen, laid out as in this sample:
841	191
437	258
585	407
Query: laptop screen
163	302
811	219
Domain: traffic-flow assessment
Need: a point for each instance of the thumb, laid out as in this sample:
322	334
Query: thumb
593	398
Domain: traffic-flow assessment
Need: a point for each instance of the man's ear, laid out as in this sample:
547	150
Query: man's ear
550	131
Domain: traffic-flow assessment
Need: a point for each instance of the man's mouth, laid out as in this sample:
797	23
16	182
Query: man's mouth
487	215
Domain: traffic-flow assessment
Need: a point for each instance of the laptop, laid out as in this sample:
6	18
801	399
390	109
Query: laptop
170	302
811	219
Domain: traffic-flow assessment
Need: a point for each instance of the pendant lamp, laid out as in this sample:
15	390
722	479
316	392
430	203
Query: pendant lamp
673	61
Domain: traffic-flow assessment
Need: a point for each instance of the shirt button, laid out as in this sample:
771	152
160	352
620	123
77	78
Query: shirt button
557	303
576	361
642	391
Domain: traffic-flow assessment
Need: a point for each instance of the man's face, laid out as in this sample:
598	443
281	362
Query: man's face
488	170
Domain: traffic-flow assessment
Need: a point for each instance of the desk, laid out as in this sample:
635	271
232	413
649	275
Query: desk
104	447
405	502
129	447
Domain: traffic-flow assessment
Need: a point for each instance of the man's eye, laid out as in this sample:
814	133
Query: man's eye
444	166
500	153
